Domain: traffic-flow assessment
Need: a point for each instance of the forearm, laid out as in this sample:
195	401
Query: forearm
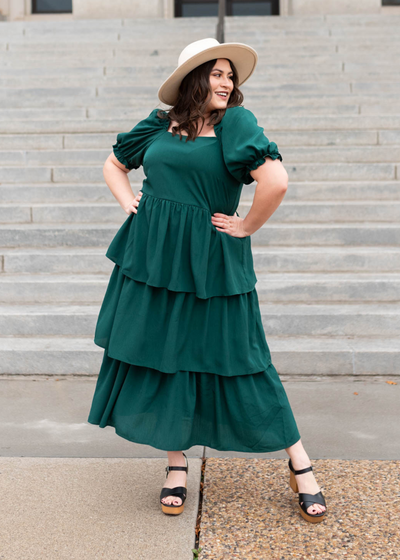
118	182
267	199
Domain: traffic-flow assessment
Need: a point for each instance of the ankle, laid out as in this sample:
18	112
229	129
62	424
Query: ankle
300	462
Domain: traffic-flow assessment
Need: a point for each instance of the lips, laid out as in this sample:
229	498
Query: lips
222	96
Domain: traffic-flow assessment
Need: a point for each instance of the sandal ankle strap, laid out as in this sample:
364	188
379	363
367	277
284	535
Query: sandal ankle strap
301	471
175	469
179	468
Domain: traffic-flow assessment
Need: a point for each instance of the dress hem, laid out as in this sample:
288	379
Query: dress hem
271	450
126	360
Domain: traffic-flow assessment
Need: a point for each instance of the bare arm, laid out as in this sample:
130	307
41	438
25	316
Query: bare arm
116	177
272	183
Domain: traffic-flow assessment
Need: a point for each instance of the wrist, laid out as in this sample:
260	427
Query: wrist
126	207
245	229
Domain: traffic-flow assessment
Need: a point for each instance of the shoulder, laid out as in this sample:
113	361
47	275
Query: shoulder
157	119
131	146
238	117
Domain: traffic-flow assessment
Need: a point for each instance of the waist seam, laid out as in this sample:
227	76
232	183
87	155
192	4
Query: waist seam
177	202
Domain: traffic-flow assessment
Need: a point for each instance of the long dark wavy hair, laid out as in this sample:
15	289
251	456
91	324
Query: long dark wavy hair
194	95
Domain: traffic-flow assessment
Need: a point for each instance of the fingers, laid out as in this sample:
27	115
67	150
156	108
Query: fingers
132	208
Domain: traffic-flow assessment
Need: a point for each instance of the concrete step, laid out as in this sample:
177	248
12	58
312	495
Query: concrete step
338	81
288	212
335	356
343	154
49	356
58	193
48	320
68	235
323	191
61	157
52	288
269	123
327	212
328	234
349	155
335	320
96	235
271	287
54	356
38	141
93	173
77	260
315	287
38	97
132	113
321	259
14	110
105	140
353	59
34	114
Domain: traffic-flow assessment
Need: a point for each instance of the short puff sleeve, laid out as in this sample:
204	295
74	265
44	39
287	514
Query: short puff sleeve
244	144
131	146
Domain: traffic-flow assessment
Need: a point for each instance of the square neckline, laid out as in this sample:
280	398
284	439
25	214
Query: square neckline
186	135
167	122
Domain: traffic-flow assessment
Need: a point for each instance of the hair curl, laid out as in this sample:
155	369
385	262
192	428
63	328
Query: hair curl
194	95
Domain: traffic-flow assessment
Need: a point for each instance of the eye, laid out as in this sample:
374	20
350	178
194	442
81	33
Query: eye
219	74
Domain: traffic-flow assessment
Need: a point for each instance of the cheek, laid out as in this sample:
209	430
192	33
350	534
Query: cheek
213	83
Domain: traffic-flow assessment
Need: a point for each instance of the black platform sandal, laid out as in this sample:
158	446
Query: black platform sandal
306	500
179	491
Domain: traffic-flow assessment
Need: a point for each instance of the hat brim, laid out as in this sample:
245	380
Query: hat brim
243	57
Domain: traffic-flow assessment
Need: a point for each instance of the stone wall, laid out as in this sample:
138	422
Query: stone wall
104	9
318	7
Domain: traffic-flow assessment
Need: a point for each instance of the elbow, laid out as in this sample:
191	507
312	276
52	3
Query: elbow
283	187
107	164
283	183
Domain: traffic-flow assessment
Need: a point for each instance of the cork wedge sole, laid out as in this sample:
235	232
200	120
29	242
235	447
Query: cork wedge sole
306	500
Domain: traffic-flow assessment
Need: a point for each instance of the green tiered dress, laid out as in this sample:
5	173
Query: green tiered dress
186	360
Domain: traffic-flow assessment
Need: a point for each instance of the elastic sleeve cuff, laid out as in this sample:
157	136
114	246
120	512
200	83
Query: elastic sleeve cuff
120	157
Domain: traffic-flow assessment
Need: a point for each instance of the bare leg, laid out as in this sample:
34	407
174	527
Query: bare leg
306	482
175	478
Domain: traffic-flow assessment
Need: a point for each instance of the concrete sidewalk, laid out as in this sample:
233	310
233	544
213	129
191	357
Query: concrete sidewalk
73	491
87	509
338	419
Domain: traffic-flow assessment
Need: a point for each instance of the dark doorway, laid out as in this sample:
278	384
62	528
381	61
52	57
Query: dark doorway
198	8
51	6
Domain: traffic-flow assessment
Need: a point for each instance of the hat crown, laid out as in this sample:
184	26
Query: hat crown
195	48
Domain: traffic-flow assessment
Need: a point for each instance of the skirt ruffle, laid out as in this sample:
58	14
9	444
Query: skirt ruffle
167	244
176	331
245	413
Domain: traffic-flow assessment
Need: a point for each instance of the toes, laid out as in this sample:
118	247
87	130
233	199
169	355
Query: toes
169	500
316	508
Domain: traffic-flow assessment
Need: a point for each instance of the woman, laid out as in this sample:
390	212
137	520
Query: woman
186	361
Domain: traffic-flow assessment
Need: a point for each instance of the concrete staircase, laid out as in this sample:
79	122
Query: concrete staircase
326	89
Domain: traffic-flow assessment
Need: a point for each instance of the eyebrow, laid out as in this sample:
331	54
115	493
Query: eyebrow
214	69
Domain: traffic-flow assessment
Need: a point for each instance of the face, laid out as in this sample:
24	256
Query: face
221	81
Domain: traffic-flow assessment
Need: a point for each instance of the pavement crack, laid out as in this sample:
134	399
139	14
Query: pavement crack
196	549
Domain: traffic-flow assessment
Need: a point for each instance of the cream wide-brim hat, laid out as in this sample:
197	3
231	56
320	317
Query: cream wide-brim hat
243	57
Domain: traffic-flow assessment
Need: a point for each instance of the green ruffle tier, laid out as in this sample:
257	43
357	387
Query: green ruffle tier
175	331
185	359
172	245
245	413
